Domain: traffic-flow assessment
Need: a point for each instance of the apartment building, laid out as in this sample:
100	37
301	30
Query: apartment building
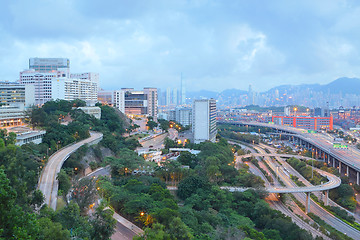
204	120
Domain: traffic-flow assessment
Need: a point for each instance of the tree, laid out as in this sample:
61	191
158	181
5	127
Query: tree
164	124
71	219
84	192
37	116
190	185
14	222
151	124
52	230
157	232
127	162
103	223
64	182
178	229
189	159
37	198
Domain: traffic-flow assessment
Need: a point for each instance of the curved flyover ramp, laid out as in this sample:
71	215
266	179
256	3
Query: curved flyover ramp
48	184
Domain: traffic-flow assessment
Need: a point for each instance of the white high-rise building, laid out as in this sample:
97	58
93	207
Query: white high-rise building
183	116
52	80
72	88
42	82
91	76
204	120
119	100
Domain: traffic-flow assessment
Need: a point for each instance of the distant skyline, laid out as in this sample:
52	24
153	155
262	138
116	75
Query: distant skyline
217	45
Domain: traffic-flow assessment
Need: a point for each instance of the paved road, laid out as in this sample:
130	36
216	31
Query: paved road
122	233
314	207
333	182
348	156
48	184
153	143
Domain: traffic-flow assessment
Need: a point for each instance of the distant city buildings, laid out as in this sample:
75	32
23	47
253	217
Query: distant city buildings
183	116
204	120
180	115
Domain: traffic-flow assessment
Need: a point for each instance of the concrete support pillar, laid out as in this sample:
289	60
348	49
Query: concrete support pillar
340	168
333	162
357	178
347	171
307	204
326	200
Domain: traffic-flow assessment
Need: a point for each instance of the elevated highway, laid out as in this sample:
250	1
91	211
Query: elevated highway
346	160
48	184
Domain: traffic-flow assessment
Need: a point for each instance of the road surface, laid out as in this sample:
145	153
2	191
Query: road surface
156	142
314	207
48	184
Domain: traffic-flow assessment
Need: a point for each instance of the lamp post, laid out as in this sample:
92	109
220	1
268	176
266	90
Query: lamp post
295	109
259	135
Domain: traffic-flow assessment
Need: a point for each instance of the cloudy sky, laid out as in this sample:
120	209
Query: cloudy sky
215	44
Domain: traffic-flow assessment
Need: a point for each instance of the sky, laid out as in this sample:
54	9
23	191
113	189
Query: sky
216	45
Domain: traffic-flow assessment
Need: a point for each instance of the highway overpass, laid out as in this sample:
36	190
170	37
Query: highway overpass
346	160
48	184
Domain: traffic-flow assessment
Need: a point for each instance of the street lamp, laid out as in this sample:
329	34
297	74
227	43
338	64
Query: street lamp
295	109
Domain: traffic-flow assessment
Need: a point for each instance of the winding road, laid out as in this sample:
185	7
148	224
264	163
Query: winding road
48	184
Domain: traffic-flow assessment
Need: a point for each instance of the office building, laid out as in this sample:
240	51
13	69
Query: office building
182	90
73	88
29	136
175	97
90	76
183	116
106	97
52	80
133	102
204	120
42	83
93	111
152	98
15	98
308	123
44	65
12	93
168	97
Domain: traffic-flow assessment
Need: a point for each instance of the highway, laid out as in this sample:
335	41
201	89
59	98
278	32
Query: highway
155	142
333	182
48	184
278	205
314	207
348	156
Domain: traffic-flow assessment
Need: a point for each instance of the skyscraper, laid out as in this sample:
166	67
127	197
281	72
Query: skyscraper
182	91
204	120
168	96
175	97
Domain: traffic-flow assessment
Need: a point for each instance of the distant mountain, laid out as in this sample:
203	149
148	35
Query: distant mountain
233	92
344	85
